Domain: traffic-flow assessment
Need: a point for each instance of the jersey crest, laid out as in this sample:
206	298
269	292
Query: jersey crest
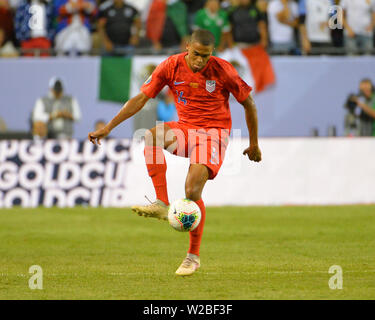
210	85
148	80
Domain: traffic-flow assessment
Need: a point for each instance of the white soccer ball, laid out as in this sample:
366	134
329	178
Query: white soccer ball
184	215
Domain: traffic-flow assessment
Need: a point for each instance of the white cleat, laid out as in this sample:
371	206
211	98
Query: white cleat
157	209
190	264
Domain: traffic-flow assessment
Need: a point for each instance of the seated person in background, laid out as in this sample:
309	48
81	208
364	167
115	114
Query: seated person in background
313	24
74	26
167	25
166	109
33	23
282	20
249	25
53	115
366	101
214	19
359	23
7	49
116	21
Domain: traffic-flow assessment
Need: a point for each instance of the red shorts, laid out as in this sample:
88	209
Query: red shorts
202	145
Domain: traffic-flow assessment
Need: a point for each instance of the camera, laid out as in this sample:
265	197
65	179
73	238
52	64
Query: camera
350	103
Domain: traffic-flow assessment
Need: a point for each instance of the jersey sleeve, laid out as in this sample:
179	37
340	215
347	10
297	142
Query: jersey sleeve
235	85
156	82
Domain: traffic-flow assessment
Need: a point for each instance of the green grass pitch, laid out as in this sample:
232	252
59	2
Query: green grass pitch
247	253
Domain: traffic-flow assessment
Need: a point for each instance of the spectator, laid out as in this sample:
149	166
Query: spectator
282	19
359	23
313	24
337	34
249	25
166	109
33	25
6	20
7	49
214	19
74	27
155	22
116	20
166	24
366	102
53	115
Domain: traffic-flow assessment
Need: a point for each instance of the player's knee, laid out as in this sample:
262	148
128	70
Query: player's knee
193	192
155	137
149	137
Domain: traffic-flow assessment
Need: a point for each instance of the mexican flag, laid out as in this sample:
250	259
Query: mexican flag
115	79
121	78
253	65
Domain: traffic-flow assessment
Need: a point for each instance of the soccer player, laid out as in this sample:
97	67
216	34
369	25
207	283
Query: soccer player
201	84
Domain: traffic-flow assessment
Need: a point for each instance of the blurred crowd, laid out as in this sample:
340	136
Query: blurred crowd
125	27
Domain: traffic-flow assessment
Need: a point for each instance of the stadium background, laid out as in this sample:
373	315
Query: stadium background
307	160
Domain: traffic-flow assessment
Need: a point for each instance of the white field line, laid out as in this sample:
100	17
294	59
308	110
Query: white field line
23	275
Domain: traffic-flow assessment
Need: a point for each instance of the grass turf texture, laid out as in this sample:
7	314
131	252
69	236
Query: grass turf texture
247	253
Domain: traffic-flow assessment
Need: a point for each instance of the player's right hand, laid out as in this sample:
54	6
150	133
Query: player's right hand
253	153
95	136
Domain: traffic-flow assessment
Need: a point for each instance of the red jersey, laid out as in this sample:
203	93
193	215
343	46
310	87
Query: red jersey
201	98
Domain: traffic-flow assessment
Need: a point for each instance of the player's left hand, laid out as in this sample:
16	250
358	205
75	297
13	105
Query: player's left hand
253	153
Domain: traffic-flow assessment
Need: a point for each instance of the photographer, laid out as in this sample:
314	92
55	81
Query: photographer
366	102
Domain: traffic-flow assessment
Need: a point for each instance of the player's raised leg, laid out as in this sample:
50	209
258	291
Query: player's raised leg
155	142
196	179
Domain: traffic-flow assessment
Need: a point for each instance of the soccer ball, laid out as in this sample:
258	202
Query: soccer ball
184	215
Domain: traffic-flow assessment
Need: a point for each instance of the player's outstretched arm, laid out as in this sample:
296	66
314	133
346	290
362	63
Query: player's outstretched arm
253	151
130	108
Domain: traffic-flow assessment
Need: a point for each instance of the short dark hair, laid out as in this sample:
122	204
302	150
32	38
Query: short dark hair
366	80
58	86
204	37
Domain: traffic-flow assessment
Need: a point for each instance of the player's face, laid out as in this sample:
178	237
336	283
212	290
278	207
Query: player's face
198	55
